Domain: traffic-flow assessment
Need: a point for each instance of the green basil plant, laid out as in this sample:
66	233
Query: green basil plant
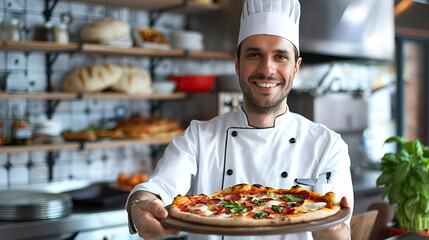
405	174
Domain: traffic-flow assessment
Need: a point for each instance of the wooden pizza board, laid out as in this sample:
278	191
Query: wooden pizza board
174	223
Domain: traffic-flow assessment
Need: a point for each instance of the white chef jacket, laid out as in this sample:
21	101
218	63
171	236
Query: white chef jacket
212	155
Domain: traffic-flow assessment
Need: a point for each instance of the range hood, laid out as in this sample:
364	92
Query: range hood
351	29
362	29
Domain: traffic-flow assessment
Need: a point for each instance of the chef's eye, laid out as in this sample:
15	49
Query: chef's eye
281	57
252	55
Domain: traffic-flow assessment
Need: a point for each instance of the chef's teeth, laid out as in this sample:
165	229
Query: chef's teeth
266	84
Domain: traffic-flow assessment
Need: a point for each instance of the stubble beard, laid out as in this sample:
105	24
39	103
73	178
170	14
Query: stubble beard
266	107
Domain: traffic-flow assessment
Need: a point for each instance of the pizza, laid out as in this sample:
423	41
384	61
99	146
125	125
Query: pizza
245	205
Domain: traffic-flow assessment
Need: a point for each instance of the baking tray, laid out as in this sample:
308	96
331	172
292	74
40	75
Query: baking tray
174	223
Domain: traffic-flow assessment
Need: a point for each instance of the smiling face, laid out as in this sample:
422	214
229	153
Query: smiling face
266	69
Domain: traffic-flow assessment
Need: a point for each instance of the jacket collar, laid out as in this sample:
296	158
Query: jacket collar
280	119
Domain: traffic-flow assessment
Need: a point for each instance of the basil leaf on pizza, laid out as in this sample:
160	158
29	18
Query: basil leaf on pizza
276	208
248	205
260	215
292	197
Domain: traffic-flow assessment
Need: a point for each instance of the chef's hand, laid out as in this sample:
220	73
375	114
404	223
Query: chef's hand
340	231
146	214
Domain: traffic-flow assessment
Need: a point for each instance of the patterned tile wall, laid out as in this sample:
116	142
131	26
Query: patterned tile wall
94	164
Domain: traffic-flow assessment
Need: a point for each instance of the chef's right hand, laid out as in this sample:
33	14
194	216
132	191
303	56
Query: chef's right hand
146	214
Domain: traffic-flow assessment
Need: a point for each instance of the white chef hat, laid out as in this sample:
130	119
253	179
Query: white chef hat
272	17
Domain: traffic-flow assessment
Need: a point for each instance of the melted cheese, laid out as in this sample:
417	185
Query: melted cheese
310	206
198	208
260	208
206	213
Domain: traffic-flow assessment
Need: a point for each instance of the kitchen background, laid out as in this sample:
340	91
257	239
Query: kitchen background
107	163
348	84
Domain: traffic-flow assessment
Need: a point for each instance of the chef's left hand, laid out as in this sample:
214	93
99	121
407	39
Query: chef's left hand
340	231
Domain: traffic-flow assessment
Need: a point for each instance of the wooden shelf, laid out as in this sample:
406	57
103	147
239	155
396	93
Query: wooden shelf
126	142
195	8
209	54
91	48
34	148
153	5
35	46
83	145
103	95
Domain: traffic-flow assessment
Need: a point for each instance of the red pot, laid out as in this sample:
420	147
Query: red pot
193	83
397	231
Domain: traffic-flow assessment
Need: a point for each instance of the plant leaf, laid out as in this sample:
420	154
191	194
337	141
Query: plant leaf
412	181
414	147
395	139
386	192
420	170
423	189
403	155
408	192
426	152
394	194
401	172
410	207
424	204
390	158
385	178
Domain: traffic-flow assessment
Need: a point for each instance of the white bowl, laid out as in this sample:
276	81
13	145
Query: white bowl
188	40
164	86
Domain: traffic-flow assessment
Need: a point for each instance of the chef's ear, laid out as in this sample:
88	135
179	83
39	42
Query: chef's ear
297	65
237	63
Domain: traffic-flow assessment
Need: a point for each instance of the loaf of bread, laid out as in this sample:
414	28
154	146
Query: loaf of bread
92	78
105	29
134	80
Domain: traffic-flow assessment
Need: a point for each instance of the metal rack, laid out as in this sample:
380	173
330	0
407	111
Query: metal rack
53	50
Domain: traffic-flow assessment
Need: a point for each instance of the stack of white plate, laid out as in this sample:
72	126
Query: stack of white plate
47	127
228	83
188	40
19	205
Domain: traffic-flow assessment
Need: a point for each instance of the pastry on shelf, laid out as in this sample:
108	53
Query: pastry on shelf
92	78
100	77
150	38
92	133
108	133
134	80
82	135
149	127
111	31
128	182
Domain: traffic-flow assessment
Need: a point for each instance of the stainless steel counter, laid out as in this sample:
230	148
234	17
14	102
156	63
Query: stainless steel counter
62	227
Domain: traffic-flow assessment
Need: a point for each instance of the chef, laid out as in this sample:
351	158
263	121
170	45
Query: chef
263	143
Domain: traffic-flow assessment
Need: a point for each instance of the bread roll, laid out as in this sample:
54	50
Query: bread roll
134	80
105	29
92	78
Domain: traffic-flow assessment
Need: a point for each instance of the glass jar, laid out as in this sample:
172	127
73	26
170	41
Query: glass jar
61	34
44	33
22	134
11	30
